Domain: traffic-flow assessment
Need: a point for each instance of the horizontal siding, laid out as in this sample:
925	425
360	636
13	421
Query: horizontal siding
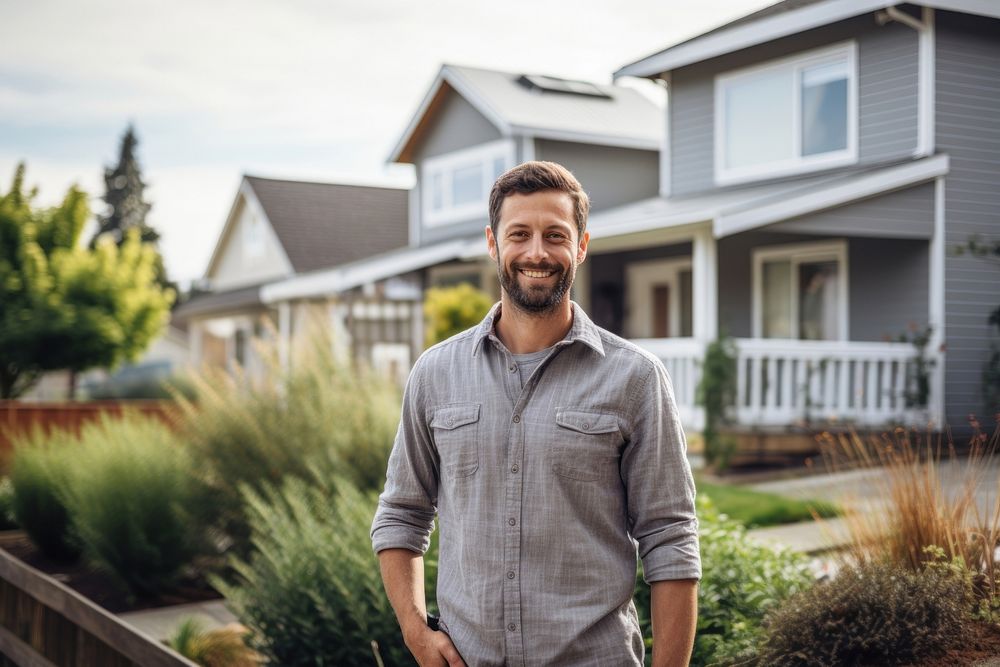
904	214
887	93
691	131
888	285
611	176
457	125
968	130
887	96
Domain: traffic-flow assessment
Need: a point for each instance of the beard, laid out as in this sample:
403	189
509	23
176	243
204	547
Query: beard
535	299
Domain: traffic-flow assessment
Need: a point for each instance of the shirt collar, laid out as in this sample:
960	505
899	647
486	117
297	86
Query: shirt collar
582	330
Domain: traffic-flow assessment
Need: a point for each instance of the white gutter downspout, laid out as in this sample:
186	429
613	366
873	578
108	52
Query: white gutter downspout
926	67
665	152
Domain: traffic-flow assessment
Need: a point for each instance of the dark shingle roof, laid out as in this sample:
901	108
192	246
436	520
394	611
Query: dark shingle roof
323	224
218	302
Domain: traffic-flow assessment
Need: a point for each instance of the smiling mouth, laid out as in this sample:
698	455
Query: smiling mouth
536	274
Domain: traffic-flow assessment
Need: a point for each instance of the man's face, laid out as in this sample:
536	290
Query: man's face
537	248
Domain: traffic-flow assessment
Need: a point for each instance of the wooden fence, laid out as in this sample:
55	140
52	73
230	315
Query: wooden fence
18	417
46	624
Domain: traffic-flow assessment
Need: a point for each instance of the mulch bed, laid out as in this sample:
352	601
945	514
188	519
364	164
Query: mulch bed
983	650
98	586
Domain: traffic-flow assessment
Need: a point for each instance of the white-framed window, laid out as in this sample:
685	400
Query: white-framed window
800	291
787	116
456	186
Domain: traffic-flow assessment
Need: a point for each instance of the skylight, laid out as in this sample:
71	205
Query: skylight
550	84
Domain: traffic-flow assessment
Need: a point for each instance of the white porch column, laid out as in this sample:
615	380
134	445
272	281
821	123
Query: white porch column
704	285
195	344
284	333
936	314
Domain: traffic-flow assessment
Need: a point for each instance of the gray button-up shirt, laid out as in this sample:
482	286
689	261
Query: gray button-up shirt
542	493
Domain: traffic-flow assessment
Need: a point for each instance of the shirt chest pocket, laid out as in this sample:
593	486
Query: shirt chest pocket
456	436
588	444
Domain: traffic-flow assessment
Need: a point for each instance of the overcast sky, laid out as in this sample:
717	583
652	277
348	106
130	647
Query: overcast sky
307	89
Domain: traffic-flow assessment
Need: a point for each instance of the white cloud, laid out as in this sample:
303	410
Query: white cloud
316	89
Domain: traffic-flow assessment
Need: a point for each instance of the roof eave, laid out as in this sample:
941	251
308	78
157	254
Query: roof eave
757	32
555	134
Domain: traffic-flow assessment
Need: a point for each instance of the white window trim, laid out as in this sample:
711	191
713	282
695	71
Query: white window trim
663	271
797	254
446	164
799	164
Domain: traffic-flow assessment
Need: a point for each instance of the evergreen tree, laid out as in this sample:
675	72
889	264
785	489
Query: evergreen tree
123	194
126	208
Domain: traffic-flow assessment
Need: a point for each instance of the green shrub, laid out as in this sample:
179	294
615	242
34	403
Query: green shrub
741	581
452	310
39	474
311	592
7	520
874	614
320	419
129	495
717	393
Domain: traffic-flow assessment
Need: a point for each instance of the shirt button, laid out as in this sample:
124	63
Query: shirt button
512	627
517	419
512	521
510	575
586	426
514	468
512	368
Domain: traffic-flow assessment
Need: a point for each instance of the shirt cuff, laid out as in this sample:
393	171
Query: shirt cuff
399	537
671	562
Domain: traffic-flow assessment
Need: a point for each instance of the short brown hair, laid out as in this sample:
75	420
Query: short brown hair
536	176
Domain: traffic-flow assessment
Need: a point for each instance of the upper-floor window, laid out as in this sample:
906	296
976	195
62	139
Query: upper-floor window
787	116
456	186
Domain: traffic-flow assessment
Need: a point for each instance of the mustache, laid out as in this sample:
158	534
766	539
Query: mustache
517	266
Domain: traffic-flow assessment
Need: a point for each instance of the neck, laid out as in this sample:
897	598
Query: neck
524	333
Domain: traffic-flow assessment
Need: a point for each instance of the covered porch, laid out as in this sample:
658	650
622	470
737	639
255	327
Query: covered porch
829	290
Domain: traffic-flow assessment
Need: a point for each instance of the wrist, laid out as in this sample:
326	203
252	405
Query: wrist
414	627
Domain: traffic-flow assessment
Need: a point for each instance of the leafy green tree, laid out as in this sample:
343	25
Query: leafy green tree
66	307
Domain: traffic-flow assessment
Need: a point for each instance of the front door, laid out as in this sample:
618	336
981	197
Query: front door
658	298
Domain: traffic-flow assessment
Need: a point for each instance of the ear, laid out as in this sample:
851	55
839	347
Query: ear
491	242
581	251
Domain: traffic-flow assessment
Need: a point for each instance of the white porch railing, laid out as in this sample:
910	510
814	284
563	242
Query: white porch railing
782	382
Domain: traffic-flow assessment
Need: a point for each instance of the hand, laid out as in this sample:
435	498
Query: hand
433	649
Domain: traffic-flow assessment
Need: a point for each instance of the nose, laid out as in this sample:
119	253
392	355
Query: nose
536	248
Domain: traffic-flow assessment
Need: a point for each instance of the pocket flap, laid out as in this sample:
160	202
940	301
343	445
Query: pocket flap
587	421
453	416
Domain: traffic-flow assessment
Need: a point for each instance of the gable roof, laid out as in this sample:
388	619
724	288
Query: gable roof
325	224
780	20
517	106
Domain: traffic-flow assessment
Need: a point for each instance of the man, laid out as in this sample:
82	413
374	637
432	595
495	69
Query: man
548	448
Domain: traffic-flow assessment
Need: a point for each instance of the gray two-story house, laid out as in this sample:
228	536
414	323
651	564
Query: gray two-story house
821	161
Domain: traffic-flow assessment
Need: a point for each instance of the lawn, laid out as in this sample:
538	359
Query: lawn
755	509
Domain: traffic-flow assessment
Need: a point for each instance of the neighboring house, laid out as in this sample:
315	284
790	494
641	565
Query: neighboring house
472	125
821	160
278	230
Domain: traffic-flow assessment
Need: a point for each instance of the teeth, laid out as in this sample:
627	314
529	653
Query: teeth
537	274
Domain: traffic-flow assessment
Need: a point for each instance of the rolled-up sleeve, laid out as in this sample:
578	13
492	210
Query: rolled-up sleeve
659	484
405	515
